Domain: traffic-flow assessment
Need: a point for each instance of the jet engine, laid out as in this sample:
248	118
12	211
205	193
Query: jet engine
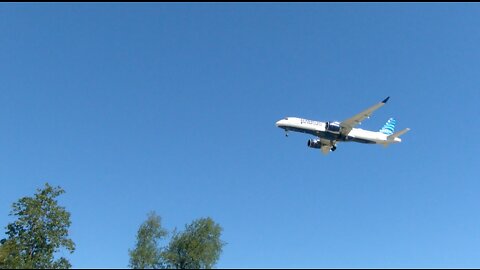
333	127
314	144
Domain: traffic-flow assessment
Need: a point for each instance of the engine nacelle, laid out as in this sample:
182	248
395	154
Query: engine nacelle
314	144
333	127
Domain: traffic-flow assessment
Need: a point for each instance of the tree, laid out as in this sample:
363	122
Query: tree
199	246
41	230
147	253
6	249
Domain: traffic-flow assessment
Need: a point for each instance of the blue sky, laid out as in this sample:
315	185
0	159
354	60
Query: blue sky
172	107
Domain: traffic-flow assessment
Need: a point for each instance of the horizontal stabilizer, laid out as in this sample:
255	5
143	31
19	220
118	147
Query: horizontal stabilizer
397	134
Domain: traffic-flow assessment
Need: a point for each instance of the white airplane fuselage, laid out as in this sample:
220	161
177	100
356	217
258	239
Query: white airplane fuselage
331	131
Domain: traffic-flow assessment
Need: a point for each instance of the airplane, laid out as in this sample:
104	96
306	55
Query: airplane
330	133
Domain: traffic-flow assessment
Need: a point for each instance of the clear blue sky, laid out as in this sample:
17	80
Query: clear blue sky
172	107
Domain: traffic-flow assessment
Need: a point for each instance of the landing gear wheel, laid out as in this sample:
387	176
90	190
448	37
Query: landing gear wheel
334	148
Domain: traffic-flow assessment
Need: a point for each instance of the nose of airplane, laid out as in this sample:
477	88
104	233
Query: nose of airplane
280	123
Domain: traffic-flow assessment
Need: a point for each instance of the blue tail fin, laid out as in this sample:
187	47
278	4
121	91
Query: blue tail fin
389	127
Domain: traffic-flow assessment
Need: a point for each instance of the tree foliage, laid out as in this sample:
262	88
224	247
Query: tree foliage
147	253
40	230
198	247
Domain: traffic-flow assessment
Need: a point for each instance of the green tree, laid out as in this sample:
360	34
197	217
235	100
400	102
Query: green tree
7	252
198	247
40	230
147	253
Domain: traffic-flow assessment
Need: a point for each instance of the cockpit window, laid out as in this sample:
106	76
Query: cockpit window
286	118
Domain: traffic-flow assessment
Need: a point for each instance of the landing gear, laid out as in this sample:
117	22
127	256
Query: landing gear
286	133
334	147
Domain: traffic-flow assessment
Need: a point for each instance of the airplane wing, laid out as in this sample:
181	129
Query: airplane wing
350	123
325	149
326	145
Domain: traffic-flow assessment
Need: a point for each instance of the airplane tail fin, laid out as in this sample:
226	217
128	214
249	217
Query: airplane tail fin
389	127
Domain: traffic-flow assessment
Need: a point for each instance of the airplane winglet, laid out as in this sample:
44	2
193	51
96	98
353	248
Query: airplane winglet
385	100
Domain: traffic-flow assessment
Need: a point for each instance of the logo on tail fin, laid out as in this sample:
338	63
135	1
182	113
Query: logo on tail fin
389	127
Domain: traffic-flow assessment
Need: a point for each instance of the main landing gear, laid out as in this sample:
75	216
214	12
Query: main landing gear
334	147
